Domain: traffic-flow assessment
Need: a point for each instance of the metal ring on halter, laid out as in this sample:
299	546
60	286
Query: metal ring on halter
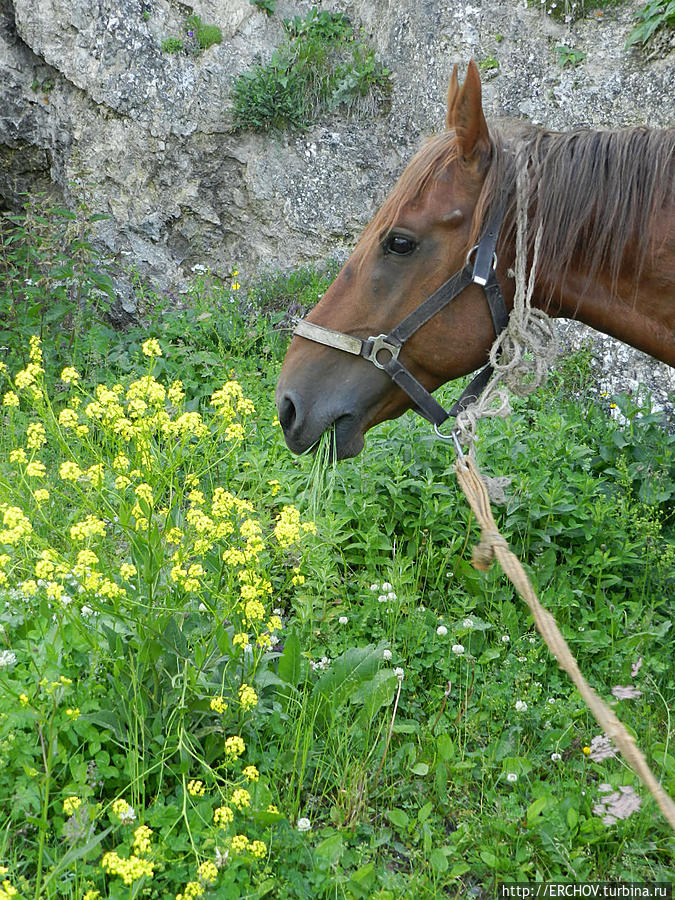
473	249
453	436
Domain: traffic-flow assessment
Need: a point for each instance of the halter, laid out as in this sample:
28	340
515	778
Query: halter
482	272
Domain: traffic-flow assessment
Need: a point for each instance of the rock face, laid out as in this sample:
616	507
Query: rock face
91	105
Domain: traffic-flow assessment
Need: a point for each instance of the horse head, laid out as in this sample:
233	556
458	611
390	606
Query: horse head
420	236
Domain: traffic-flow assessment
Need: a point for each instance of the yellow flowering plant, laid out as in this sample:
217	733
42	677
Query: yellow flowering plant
124	525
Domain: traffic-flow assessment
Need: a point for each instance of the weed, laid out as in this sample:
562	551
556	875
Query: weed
320	66
172	45
656	16
567	56
266	6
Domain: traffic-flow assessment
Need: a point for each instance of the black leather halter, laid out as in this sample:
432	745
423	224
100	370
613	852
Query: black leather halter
482	272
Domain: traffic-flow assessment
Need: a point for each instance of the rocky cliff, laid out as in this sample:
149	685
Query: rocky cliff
91	105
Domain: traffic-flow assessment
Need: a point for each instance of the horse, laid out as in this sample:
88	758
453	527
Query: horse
437	259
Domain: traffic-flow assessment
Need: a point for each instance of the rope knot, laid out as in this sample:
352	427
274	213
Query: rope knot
483	553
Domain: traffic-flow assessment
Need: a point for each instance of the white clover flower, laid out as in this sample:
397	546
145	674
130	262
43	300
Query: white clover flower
512	777
467	623
386	654
343	620
382	598
555	757
391	595
7	658
441	631
374	587
551	700
458	649
304	824
505	639
521	706
386	586
399	673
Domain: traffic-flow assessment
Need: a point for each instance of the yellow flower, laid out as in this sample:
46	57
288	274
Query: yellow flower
70	471
151	348
127	570
53	590
234	746
36	469
241	639
18	456
17	526
23	699
124	812
129	870
207	872
70	375
258	849
247	696
239	843
41	495
241	798
88	527
222	816
250	773
586	751
92	895
196	788
192	890
70	804
73	713
141	845
10	399
144	492
234	432
176	392
273	808
29	588
35	435
218	704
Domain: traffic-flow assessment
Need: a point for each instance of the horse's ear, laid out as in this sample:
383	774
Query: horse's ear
453	91
473	137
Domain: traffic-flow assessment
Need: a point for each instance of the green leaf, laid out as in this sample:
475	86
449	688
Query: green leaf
330	849
398	818
535	809
439	861
289	661
425	811
420	768
346	675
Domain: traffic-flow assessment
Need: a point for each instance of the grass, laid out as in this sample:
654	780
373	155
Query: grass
301	686
321	65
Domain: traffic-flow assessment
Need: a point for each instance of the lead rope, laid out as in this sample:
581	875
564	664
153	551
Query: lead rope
525	350
493	545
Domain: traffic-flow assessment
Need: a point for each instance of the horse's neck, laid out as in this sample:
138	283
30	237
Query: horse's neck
639	309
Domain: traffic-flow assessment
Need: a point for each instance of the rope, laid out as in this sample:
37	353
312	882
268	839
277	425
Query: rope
492	545
524	351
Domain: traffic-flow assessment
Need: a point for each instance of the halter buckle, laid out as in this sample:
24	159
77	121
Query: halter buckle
479	278
381	343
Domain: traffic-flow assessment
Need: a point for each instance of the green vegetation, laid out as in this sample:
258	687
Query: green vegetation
228	672
266	6
198	37
568	56
658	15
320	66
205	35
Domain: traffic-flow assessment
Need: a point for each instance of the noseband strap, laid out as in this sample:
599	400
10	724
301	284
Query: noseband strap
382	351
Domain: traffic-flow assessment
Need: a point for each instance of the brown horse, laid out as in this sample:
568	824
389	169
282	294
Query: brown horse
605	203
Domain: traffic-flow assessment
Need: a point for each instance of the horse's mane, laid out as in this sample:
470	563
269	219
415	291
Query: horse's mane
595	194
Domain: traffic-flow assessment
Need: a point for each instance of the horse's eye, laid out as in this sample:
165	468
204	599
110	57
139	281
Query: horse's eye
399	244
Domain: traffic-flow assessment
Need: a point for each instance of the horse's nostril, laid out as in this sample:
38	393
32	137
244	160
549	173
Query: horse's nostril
288	413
